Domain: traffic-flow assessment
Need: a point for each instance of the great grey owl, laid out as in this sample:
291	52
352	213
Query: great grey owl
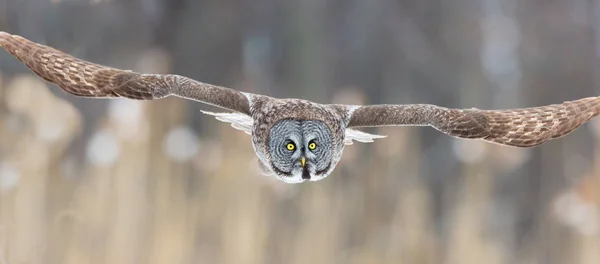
298	140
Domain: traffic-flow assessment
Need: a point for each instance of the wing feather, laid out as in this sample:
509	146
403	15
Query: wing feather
359	136
524	127
238	121
83	78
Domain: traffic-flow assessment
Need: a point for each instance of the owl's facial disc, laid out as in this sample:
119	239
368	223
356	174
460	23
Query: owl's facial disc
300	150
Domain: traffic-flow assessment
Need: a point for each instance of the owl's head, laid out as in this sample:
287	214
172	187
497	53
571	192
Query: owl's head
301	150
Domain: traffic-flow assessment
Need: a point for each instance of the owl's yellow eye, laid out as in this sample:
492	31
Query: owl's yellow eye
312	146
290	146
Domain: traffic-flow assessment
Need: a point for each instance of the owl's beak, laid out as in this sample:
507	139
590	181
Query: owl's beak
305	173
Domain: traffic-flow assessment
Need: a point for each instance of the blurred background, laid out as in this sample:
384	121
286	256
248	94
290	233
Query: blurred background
119	181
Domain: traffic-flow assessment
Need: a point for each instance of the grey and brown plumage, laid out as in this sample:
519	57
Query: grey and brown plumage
277	124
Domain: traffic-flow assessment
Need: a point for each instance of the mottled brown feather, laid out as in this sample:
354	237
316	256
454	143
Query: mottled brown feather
524	127
83	78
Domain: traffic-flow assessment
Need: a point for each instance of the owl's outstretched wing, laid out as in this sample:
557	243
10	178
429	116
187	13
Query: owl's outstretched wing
525	127
83	78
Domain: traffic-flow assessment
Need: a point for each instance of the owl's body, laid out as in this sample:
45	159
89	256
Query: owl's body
298	140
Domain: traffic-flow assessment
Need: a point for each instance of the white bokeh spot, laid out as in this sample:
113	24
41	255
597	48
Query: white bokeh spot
102	149
9	176
469	151
127	115
51	129
181	144
575	212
